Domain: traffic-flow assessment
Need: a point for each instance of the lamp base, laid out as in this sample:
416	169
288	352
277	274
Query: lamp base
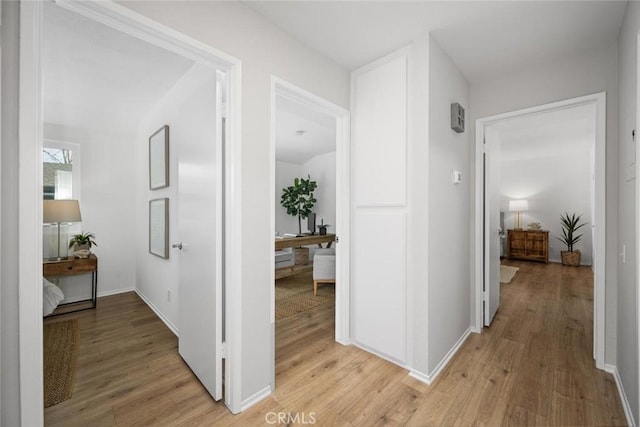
58	258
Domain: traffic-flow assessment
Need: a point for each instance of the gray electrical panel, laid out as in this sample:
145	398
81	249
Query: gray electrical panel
457	117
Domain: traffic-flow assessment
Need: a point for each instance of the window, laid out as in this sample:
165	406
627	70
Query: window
61	181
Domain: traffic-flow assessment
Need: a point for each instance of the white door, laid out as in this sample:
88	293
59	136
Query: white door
492	239
199	144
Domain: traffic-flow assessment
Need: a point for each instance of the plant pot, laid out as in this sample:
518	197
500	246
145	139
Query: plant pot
571	259
301	256
82	251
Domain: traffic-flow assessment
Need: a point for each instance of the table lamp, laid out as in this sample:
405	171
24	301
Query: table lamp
518	206
59	211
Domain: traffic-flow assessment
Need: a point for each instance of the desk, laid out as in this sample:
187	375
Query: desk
295	242
70	267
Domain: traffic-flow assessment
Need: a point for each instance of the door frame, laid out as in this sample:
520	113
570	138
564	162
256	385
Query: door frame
30	189
599	222
281	87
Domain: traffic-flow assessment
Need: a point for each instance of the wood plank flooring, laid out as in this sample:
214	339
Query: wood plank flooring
533	366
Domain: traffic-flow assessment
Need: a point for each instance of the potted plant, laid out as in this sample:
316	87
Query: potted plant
298	199
570	224
81	244
323	227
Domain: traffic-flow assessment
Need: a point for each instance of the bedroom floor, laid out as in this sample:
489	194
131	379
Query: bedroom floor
533	366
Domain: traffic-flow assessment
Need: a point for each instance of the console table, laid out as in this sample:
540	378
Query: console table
70	267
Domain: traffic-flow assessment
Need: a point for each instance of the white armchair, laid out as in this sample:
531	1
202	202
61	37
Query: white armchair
324	267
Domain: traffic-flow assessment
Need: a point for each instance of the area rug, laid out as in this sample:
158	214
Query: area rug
60	352
295	294
507	272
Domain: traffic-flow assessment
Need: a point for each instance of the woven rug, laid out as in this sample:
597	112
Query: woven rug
295	294
507	273
60	353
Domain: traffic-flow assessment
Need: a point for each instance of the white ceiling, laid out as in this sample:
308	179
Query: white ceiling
484	38
319	129
545	135
97	78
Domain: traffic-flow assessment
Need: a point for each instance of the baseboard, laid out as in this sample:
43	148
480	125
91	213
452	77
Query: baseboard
429	378
115	292
158	313
380	355
613	370
255	398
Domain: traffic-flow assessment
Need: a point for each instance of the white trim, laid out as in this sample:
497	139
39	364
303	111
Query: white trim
282	88
613	370
255	398
30	214
158	313
637	211
116	292
599	101
430	378
132	23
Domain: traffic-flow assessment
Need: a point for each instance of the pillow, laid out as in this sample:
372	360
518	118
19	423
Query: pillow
51	297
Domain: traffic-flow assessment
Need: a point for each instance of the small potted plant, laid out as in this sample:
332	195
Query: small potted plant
570	224
322	228
81	244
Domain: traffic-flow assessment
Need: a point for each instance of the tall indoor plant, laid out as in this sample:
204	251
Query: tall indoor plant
298	199
570	224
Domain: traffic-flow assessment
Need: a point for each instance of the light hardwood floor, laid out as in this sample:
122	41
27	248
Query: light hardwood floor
533	366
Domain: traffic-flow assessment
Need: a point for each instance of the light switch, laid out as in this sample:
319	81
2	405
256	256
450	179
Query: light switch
457	177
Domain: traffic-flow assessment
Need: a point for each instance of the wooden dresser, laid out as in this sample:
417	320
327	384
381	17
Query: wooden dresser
529	245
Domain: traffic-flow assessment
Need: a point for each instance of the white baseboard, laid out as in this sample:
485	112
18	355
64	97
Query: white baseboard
429	378
162	317
613	370
115	292
380	355
255	398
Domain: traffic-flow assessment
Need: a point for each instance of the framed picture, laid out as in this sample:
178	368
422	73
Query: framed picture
159	227
159	158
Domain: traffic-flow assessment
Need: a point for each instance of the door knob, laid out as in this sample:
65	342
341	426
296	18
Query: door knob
177	245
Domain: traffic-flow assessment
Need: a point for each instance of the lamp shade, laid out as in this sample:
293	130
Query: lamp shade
518	205
61	211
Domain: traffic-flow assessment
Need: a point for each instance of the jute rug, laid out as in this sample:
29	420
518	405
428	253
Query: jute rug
294	295
507	273
60	355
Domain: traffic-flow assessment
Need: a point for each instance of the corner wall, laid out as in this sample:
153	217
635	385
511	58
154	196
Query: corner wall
585	73
449	209
627	310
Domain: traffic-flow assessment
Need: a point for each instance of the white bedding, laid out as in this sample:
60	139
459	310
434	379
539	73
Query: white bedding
51	297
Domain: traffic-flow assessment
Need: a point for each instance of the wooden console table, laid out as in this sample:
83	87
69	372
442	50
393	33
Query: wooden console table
295	242
71	267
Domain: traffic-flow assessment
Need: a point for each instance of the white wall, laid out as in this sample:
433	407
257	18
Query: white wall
107	202
10	405
581	74
554	184
627	310
449	209
322	169
264	50
156	276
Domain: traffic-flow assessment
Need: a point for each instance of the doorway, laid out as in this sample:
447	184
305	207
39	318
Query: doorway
283	91
485	281
30	174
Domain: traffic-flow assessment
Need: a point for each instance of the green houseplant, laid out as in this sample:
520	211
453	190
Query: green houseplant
298	199
570	224
81	243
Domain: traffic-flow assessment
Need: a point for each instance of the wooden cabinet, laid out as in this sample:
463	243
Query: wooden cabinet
530	245
70	267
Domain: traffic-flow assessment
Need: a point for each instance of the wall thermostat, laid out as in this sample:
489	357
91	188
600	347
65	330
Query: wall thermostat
457	117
